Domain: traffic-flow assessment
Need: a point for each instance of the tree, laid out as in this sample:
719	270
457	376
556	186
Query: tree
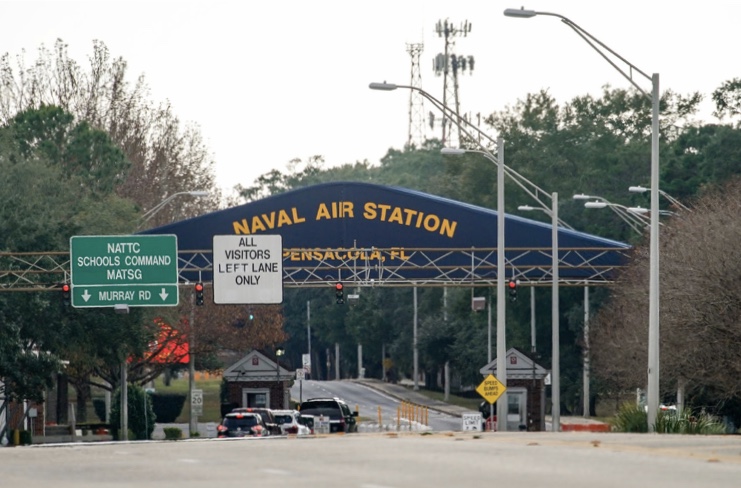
165	157
700	307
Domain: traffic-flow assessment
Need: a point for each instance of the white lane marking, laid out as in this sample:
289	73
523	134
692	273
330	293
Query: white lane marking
280	472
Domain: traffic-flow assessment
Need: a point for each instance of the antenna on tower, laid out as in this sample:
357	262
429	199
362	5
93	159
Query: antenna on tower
416	102
450	65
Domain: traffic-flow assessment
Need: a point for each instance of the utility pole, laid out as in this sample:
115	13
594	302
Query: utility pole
449	64
416	102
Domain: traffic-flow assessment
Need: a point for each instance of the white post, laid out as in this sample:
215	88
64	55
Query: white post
360	361
652	395
337	361
501	299
308	327
586	352
192	419
124	399
414	343
556	364
532	321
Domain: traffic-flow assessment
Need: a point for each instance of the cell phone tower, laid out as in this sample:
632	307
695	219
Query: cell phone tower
416	101
450	65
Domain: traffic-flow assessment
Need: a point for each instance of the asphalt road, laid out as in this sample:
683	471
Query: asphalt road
368	401
386	460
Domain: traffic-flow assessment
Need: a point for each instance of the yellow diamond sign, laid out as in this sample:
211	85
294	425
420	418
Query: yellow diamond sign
491	388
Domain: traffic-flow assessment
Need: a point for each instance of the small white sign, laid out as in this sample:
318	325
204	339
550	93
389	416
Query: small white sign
306	361
300	374
248	269
321	424
472	421
196	402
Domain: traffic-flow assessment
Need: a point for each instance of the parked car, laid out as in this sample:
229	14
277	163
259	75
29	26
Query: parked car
341	418
265	413
290	423
242	424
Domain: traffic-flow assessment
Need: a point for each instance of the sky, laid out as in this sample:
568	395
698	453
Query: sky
272	81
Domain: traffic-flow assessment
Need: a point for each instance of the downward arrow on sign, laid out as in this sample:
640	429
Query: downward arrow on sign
163	295
86	296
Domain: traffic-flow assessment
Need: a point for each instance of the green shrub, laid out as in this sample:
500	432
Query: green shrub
630	418
173	433
141	415
670	422
168	406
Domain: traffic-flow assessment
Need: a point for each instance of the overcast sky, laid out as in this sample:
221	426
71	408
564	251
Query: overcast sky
270	81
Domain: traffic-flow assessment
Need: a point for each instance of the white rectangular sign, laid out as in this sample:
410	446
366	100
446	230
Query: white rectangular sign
300	374
472	421
196	402
248	269
306	362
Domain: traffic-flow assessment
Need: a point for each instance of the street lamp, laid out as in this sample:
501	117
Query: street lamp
652	393
555	311
501	299
152	211
626	214
674	201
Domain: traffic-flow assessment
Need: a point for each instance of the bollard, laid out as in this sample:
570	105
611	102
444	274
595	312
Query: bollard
398	418
380	422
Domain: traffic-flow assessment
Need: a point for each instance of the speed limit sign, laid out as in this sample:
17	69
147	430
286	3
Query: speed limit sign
300	374
196	402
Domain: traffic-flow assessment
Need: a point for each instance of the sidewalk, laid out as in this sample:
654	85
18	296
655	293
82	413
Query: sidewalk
404	393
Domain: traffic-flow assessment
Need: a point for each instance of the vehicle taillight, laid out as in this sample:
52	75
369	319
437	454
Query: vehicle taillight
257	430
292	430
221	428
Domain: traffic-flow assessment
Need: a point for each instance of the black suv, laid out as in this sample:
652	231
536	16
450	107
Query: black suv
242	424
341	418
267	417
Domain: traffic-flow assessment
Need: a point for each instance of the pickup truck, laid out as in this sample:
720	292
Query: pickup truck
341	418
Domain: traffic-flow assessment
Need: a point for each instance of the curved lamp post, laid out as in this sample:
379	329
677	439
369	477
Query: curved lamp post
152	211
652	393
631	218
501	299
555	311
674	201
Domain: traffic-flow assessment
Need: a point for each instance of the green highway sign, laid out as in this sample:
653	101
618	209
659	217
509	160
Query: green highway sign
135	270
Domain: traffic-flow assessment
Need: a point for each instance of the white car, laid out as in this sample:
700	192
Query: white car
290	422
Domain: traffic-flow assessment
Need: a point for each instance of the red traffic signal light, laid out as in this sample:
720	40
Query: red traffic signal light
199	294
66	293
512	289
339	293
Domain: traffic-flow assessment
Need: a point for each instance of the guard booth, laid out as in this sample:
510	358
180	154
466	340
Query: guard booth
525	391
258	381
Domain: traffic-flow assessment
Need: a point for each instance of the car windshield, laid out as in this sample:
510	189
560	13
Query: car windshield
319	404
283	419
233	423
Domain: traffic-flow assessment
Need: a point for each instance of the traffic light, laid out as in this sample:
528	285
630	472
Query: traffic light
512	290
339	293
66	293
199	294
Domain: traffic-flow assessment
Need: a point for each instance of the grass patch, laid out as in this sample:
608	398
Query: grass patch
465	402
211	401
